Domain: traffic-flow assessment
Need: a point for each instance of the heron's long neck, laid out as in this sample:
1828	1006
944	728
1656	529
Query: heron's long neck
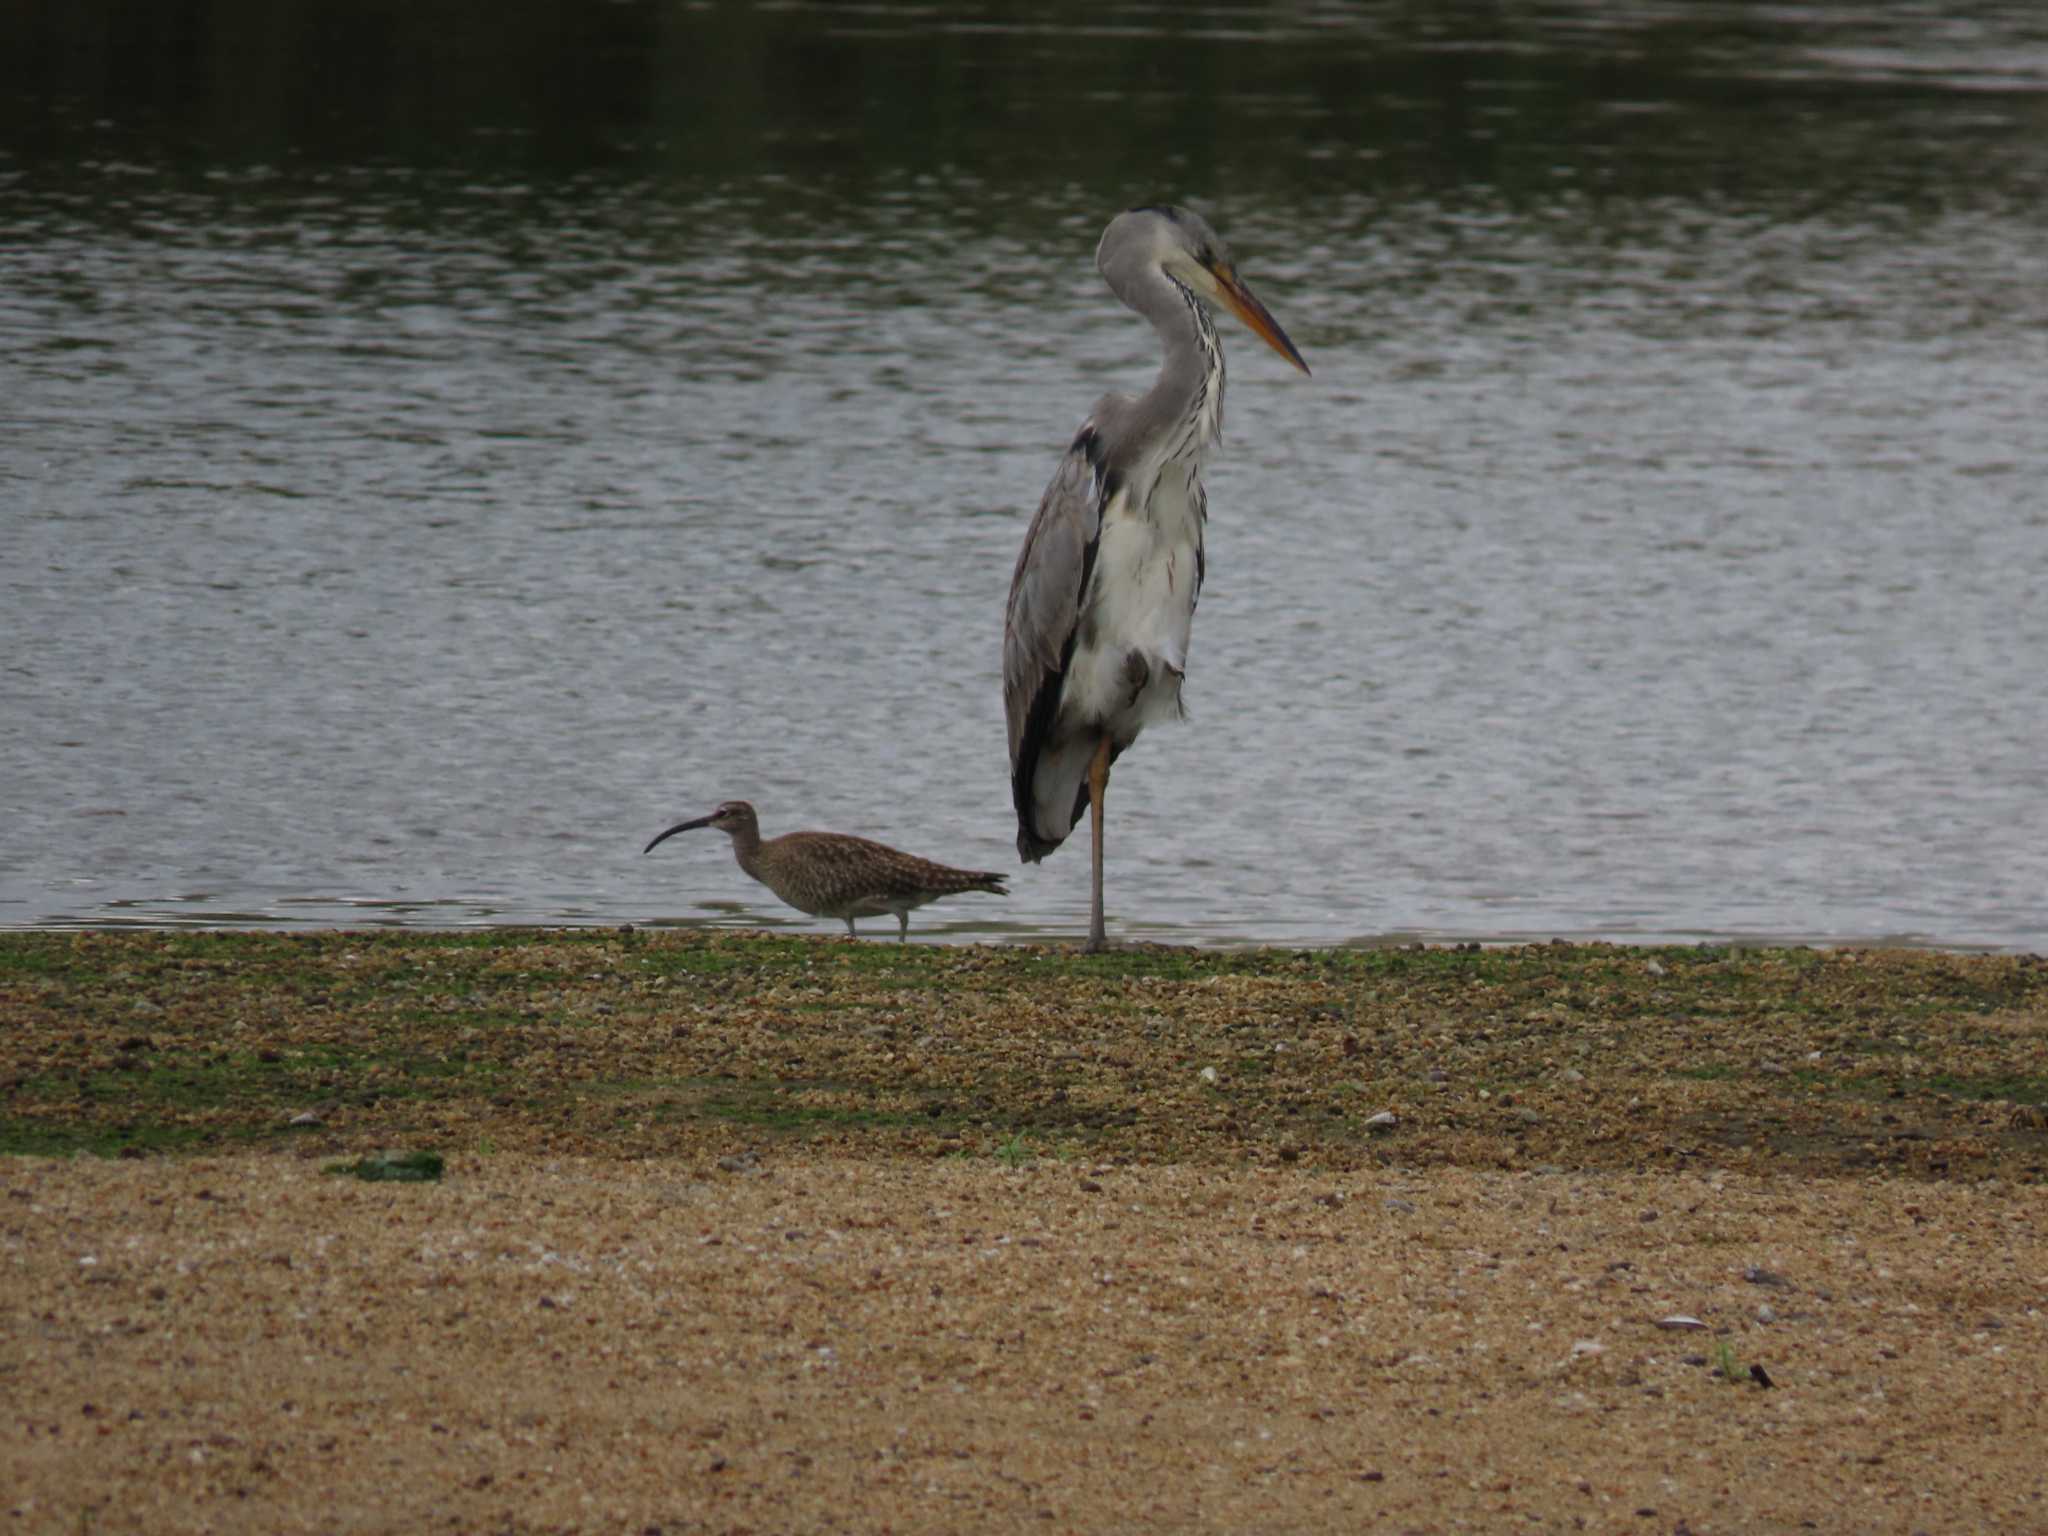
1186	401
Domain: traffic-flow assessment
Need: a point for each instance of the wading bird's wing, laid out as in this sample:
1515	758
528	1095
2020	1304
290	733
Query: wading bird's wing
835	874
1045	608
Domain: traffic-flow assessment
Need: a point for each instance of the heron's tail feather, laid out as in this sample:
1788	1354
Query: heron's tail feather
1032	848
1057	796
1051	792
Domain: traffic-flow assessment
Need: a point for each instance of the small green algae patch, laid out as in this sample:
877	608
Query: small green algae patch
393	1168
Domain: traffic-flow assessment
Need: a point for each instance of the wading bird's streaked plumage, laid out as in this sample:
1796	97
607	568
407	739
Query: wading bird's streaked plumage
1096	638
829	874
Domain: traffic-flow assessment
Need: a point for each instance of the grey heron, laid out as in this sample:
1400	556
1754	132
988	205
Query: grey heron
829	874
1095	640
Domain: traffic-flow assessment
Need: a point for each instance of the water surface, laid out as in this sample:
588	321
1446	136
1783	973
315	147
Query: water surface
433	461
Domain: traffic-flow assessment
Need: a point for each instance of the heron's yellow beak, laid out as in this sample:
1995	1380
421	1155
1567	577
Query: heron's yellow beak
1257	318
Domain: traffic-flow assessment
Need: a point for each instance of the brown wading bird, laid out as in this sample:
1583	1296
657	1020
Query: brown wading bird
829	874
1095	641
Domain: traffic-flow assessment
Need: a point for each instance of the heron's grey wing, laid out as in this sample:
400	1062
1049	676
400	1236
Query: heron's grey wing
1045	607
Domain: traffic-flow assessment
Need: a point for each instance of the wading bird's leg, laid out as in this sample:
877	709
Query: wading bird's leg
1098	786
849	929
903	926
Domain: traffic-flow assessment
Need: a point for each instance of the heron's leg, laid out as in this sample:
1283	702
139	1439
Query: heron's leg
903	927
849	929
1098	787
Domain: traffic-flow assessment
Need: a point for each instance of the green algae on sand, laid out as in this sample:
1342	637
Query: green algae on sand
633	1043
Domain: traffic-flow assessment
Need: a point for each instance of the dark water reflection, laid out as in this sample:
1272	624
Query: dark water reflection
441	447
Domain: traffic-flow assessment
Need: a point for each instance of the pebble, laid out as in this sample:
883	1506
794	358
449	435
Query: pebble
1681	1323
1385	1120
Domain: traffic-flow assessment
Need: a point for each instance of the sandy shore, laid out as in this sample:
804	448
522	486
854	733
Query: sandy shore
818	1343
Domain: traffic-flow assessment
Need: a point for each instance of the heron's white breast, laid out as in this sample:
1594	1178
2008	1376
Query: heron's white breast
1141	597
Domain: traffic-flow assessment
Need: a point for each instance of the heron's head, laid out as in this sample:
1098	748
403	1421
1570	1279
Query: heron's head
1180	243
732	818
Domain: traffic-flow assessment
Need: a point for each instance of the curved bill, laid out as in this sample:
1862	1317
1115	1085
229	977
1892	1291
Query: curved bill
681	826
1257	318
